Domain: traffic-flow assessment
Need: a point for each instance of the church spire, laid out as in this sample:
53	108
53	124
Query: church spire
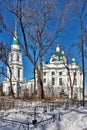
15	38
15	31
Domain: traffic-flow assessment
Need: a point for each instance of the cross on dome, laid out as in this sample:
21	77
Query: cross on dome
15	39
15	32
15	43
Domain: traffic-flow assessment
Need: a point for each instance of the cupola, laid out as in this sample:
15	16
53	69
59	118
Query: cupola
57	49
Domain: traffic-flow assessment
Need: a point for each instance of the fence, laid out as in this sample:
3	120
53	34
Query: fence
6	104
26	125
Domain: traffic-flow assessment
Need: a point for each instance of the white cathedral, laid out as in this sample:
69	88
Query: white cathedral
55	75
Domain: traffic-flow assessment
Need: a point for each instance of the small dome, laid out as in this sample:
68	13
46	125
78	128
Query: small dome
57	49
15	41
62	52
73	61
59	53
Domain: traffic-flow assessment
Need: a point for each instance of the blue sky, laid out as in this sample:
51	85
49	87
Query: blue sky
68	37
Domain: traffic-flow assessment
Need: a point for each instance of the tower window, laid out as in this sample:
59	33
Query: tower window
60	81
74	73
11	57
75	81
17	57
18	73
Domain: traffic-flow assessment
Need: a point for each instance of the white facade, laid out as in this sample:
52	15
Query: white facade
19	85
16	66
56	77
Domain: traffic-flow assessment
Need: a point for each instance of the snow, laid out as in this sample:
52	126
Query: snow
70	119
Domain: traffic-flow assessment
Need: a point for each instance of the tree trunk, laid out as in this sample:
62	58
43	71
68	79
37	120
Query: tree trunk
12	92
71	92
83	63
40	83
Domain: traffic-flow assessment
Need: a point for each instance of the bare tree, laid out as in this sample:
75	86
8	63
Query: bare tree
71	70
41	23
81	8
80	14
4	50
72	79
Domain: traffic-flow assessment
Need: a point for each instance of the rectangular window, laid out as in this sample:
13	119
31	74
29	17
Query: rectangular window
11	57
53	81
60	81
80	73
53	73
74	73
18	73
44	73
60	73
75	81
44	80
17	57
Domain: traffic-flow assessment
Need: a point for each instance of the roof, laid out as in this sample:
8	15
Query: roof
31	78
15	41
59	54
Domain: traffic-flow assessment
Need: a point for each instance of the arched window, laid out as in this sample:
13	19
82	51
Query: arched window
60	81
54	59
19	73
17	57
11	57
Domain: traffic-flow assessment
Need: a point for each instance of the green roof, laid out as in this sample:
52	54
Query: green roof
73	62
15	42
31	78
59	54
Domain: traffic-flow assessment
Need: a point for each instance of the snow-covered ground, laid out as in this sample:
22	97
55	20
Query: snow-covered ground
71	119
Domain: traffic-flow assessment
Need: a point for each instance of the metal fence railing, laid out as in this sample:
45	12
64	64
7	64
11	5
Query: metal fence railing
26	125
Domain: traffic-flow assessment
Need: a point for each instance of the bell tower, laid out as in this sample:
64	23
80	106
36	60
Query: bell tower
15	60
